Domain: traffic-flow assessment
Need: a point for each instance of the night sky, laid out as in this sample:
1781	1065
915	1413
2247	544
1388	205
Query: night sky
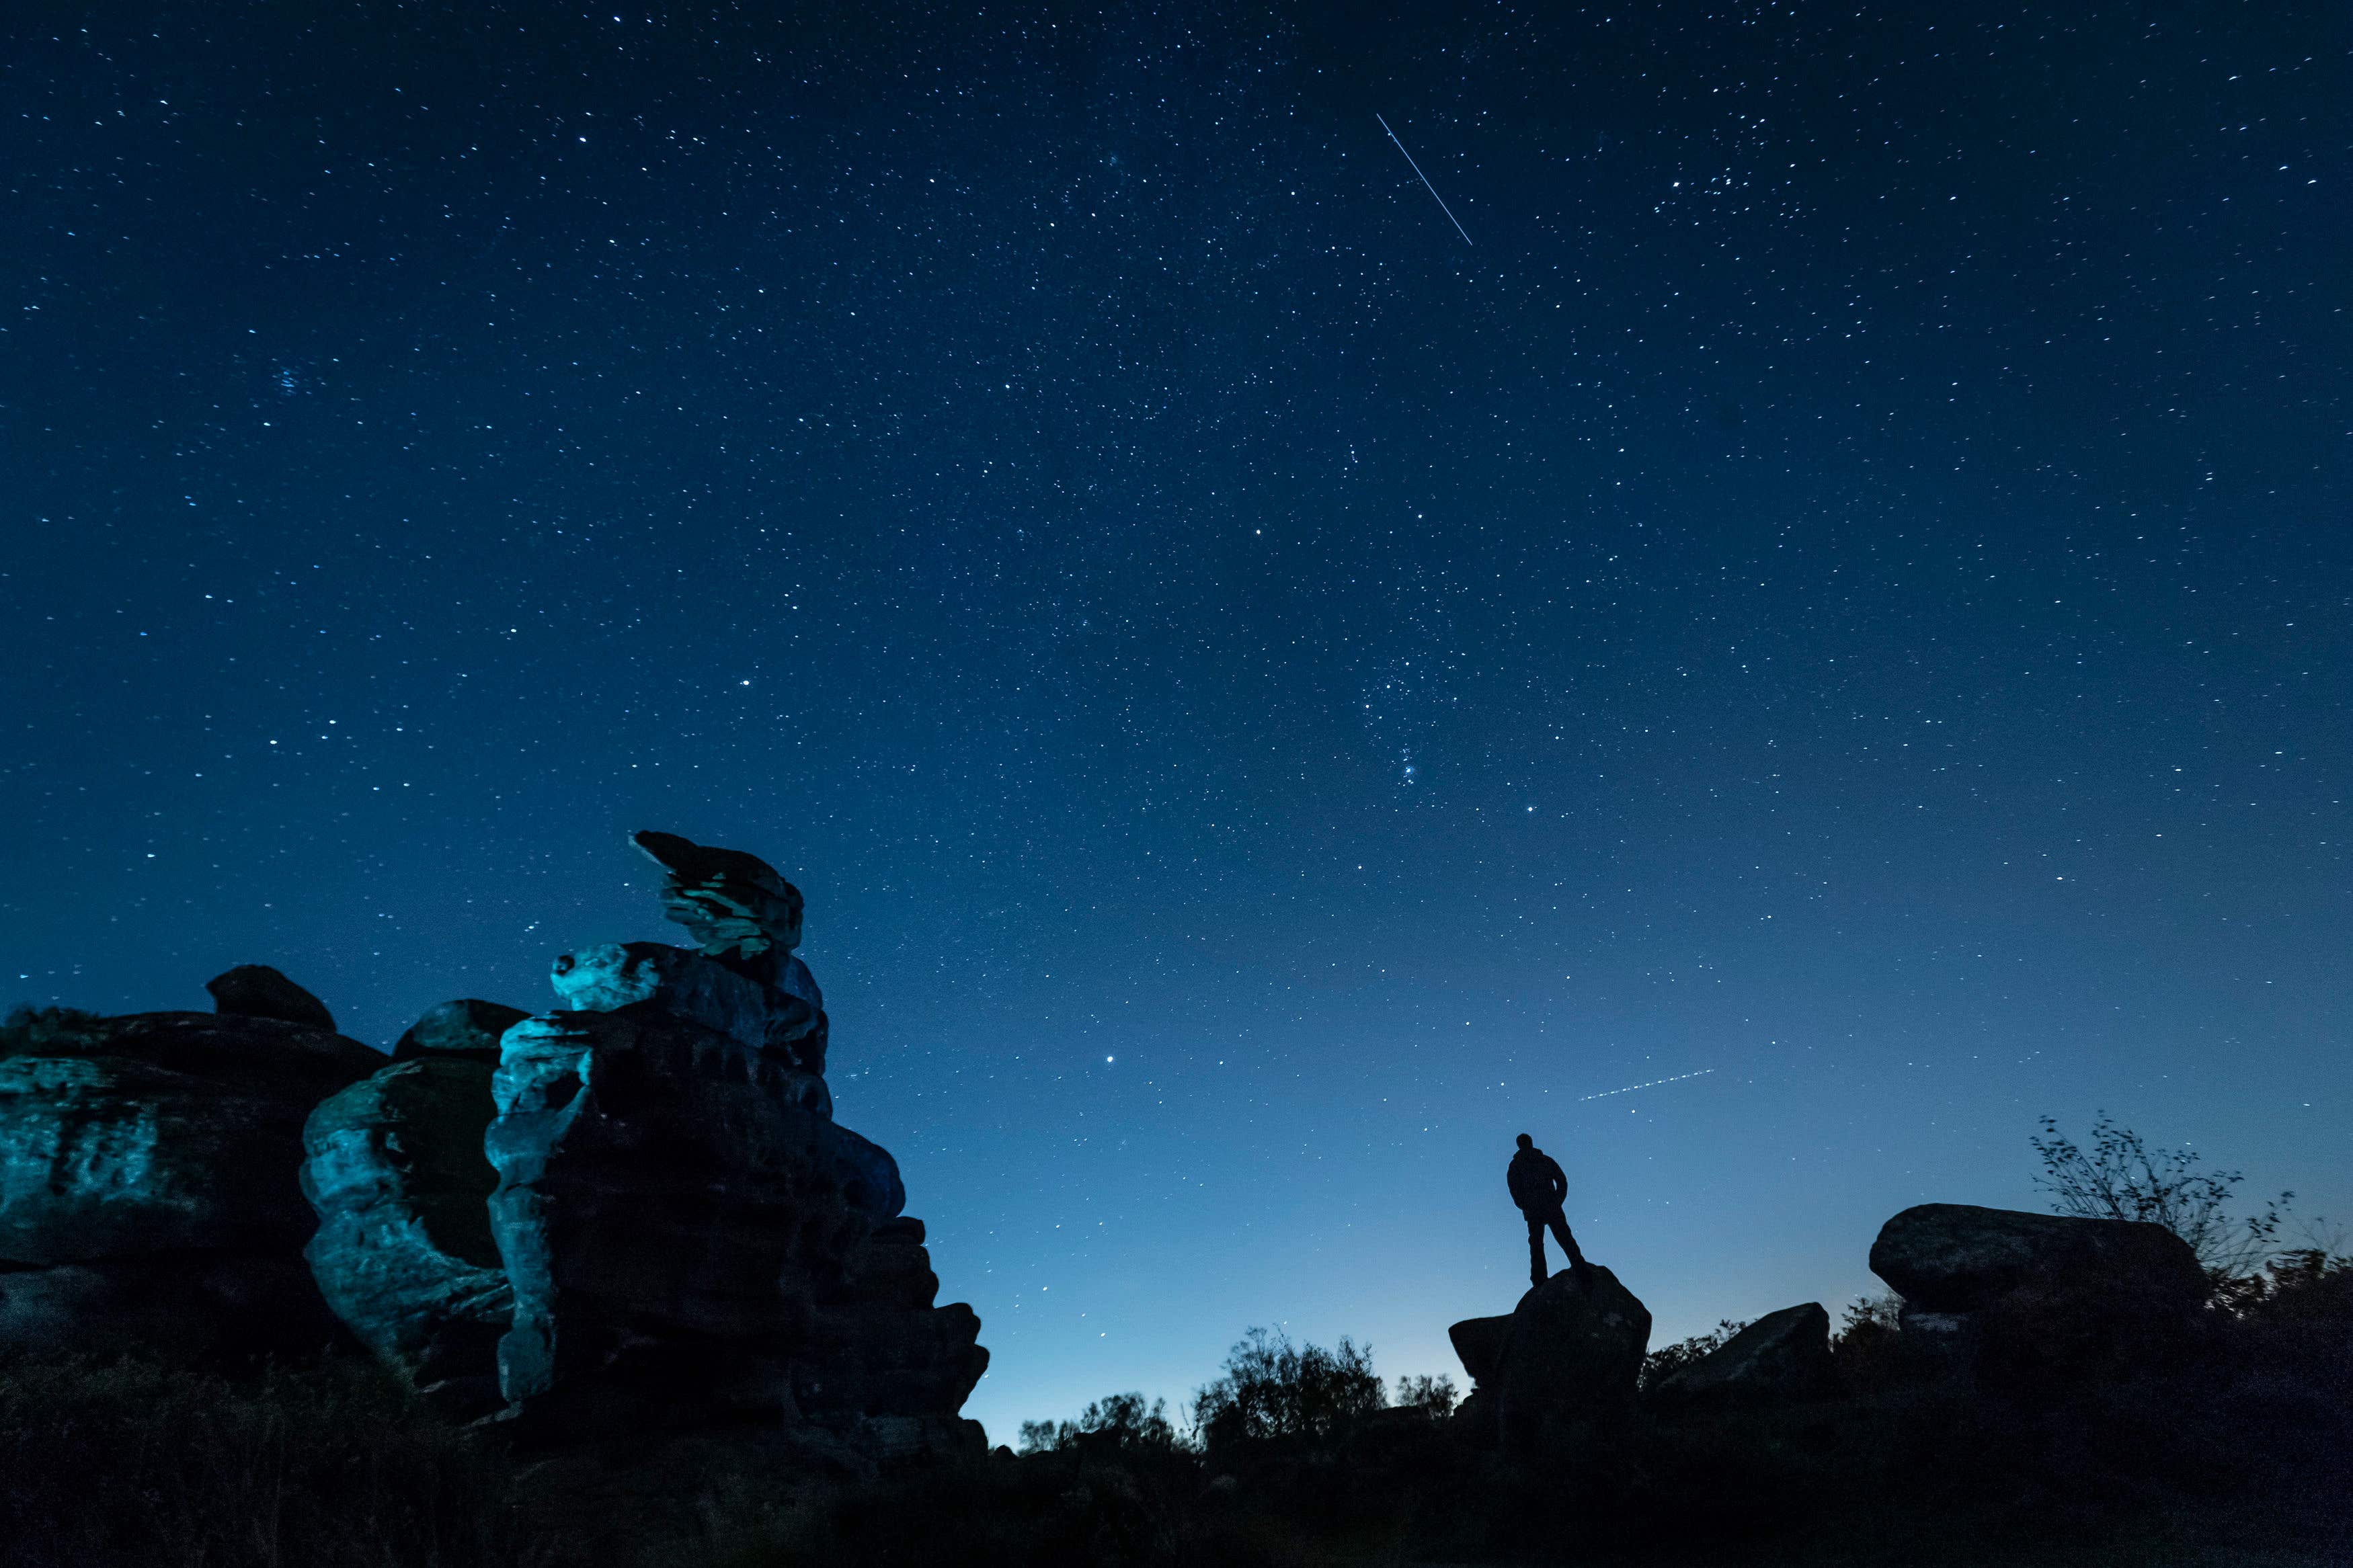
1839	587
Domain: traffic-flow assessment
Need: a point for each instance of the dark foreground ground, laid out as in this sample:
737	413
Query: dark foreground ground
2229	1443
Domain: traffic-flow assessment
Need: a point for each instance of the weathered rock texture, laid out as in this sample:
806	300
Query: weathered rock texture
402	1253
2027	1298
1571	1351
689	1235
148	1185
1783	1355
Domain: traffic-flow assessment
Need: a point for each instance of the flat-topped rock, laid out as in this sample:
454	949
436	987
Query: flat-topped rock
732	903
1945	1259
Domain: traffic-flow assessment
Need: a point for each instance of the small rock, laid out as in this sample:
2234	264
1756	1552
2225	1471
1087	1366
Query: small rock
1479	1342
732	903
257	990
463	1029
1782	1356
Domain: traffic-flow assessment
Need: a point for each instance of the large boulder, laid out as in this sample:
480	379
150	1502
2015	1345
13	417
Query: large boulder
403	1252
674	1204
148	1183
1571	1352
2032	1300
1783	1355
1957	1257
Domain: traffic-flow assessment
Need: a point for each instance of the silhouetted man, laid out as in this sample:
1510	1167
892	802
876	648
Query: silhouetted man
1539	1188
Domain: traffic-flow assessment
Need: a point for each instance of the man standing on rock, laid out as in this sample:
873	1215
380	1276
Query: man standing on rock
1539	1188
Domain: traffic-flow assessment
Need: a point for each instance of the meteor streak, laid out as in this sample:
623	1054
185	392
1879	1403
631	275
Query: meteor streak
1426	184
1652	1084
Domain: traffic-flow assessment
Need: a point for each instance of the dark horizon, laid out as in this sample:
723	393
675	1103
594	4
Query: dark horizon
1832	606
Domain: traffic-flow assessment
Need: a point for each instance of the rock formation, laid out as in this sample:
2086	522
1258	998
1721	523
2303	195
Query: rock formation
1783	1355
147	1175
2031	1299
257	990
1951	1262
690	1237
395	1169
1571	1351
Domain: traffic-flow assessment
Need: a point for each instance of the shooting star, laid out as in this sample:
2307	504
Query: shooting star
1652	1084
1426	184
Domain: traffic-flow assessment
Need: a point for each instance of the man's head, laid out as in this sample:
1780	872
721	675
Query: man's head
1526	1141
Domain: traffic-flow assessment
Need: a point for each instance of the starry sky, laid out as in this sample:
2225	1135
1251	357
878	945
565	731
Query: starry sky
1834	593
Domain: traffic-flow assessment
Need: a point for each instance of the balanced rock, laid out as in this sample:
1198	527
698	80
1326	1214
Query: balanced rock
1783	1355
148	1183
1950	1258
463	1029
689	1238
1570	1352
402	1253
735	905
257	990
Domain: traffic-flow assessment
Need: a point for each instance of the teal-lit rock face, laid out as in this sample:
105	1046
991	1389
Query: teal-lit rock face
148	1186
402	1253
777	1023
689	1234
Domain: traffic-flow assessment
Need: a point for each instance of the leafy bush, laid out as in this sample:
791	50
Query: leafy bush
1120	1421
1433	1396
1272	1388
2122	1178
1866	1345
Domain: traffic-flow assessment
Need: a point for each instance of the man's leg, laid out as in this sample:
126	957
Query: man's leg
1560	1224
1536	1246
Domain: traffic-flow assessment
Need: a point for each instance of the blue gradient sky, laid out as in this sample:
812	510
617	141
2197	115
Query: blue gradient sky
1842	585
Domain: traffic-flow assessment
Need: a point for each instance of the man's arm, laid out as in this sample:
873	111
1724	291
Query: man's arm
1559	1180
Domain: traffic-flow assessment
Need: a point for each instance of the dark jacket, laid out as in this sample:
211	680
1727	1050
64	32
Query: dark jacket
1536	1182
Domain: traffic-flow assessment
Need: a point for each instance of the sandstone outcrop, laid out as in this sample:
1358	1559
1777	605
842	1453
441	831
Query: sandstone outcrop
1571	1351
148	1170
689	1235
395	1171
2036	1296
1783	1355
1957	1257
